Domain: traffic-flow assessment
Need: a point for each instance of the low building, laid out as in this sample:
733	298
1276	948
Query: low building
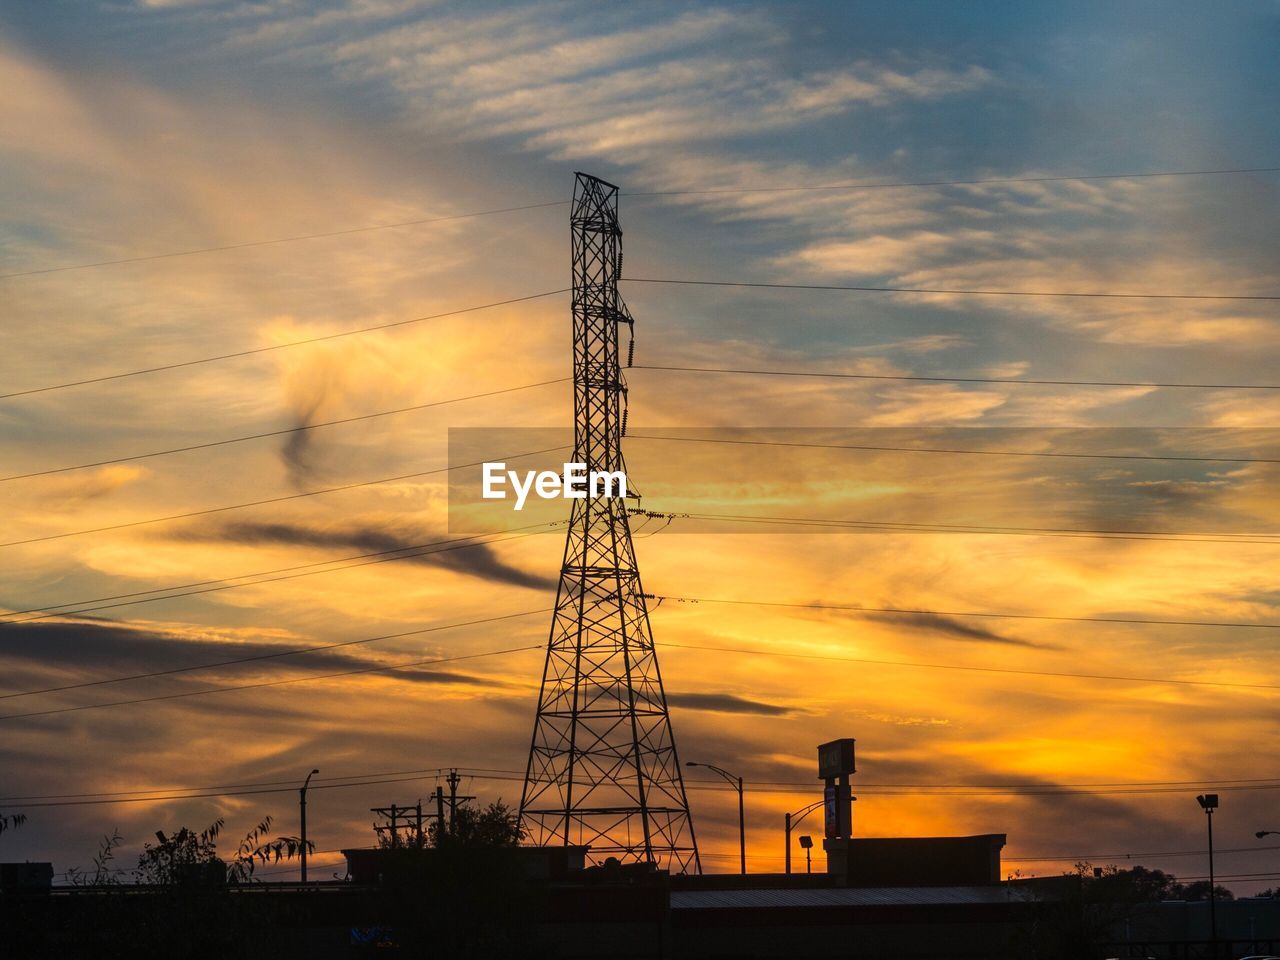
26	877
915	861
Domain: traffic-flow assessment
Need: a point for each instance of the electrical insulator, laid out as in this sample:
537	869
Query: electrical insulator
624	422
631	351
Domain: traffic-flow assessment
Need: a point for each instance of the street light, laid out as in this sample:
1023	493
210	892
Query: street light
302	810
806	842
794	820
1209	803
742	816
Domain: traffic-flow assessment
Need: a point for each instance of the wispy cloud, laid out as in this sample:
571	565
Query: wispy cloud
727	703
953	629
478	560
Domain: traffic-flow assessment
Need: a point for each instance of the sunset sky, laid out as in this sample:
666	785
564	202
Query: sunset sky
129	130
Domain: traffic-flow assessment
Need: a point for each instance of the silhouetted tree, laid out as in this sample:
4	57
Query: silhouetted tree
189	914
1141	885
11	821
188	857
1101	901
183	857
103	874
254	849
1199	890
496	825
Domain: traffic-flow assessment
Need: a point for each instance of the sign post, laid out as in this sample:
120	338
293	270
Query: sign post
835	763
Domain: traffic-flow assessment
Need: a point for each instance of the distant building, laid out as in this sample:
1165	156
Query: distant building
25	877
915	861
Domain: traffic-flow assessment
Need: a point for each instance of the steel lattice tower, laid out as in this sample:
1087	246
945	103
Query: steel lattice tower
603	768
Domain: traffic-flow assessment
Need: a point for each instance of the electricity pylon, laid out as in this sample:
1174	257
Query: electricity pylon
603	769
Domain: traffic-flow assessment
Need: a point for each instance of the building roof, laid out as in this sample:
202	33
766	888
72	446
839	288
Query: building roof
841	897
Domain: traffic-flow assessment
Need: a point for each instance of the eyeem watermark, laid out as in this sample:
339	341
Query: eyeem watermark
789	480
575	482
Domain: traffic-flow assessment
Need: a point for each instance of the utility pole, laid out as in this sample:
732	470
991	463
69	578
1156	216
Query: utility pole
410	819
603	769
302	816
453	801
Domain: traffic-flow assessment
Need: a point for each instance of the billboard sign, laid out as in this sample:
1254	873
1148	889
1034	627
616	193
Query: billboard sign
835	759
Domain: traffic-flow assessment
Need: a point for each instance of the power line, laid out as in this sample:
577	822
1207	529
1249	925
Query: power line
483	772
498	774
1082	858
716	786
882	526
1009	380
1268	782
166	593
716	649
661	598
1051	792
279	346
891	526
543	383
427	772
308	679
1235	876
972	292
854	608
269	500
954	450
263	243
1086	857
279	433
201	796
954	666
878	526
893	184
1018	789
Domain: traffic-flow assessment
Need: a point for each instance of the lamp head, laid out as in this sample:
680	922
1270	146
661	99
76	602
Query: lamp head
1208	801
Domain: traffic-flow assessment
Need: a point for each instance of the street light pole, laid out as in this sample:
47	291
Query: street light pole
1209	802
1213	893
794	820
302	812
742	829
736	783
